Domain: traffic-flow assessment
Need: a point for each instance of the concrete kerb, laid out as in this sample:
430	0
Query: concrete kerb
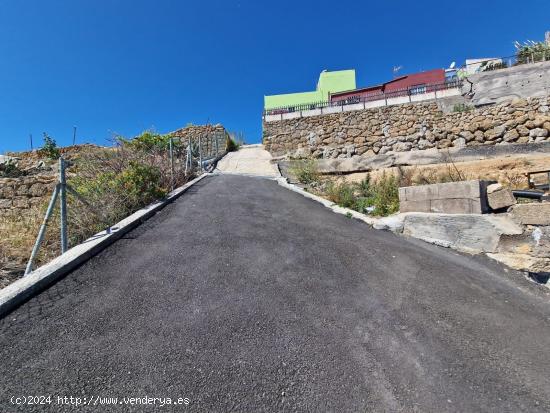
331	205
21	290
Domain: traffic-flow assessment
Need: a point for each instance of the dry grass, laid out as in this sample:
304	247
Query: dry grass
115	182
19	231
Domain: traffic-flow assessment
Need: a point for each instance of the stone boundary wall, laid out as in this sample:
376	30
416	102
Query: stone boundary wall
25	192
217	132
408	127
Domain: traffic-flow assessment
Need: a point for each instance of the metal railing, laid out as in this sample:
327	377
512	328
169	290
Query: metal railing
462	72
183	161
404	92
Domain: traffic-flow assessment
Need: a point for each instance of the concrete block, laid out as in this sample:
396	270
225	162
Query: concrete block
499	197
415	206
456	206
463	189
536	213
465	232
422	192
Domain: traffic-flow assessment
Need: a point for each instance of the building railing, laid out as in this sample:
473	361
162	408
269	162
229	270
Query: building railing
351	100
522	57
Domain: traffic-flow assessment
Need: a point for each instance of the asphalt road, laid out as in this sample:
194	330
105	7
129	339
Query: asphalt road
243	296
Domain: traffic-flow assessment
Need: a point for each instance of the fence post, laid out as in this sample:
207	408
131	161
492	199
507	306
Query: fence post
188	157
172	162
217	144
63	204
42	230
200	152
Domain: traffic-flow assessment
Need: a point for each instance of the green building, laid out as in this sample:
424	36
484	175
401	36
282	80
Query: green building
329	82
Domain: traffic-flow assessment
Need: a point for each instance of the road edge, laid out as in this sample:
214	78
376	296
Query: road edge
15	294
394	225
329	204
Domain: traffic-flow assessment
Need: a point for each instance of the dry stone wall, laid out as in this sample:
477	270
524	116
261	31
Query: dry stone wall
208	134
25	192
408	127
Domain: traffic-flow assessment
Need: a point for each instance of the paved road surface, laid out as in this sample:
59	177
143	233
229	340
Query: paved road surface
243	296
248	160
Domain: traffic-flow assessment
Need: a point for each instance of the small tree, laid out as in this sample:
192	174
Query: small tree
50	149
531	51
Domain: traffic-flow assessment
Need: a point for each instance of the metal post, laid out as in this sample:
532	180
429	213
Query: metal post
63	204
30	136
190	155
172	162
74	135
217	144
200	152
42	230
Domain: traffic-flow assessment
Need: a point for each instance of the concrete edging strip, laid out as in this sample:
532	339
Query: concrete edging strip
21	290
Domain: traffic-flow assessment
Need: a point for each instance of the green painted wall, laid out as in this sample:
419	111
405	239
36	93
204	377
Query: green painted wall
329	82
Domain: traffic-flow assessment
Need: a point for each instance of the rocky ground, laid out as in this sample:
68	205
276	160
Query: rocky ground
509	171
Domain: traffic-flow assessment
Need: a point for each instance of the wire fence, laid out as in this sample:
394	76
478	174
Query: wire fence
104	185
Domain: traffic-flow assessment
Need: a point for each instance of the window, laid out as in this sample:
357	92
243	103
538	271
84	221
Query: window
417	89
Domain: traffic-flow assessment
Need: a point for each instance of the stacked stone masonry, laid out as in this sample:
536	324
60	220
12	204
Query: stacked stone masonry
206	134
408	127
25	192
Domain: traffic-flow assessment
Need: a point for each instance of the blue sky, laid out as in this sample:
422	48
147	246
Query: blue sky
123	66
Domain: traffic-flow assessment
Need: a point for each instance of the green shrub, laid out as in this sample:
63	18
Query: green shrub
305	171
134	186
461	107
385	195
149	141
381	195
50	149
532	51
10	169
341	193
140	183
231	145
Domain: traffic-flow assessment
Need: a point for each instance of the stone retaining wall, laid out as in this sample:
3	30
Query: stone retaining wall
209	134
25	192
408	127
